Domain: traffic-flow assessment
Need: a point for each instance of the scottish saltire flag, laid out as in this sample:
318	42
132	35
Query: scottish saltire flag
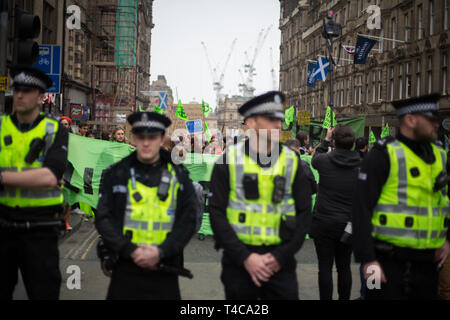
321	69
363	47
311	82
349	49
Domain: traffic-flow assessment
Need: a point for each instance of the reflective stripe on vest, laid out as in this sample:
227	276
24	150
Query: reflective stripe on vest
140	228
417	219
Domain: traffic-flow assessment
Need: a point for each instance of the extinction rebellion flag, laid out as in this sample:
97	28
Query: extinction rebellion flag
363	47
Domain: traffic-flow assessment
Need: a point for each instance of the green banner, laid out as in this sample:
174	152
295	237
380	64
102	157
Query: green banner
316	131
330	119
180	112
206	109
88	158
385	132
158	109
372	138
289	115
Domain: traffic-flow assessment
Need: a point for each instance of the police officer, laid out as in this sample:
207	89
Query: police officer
33	157
146	214
260	207
401	207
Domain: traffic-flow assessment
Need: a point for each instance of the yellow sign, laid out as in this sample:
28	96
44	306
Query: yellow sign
304	118
285	135
4	84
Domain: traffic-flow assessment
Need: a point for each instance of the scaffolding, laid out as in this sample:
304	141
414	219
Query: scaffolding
115	26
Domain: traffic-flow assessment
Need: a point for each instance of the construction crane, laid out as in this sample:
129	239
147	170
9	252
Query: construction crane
218	79
272	71
246	87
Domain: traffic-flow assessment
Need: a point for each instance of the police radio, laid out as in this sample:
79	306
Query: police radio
36	146
279	184
164	185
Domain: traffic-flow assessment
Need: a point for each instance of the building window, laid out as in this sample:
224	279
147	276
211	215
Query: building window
380	84
444	74
374	83
342	92
446	7
394	31
408	80
358	89
420	22
418	78
406	27
391	75
49	21
430	75
400	82
431	16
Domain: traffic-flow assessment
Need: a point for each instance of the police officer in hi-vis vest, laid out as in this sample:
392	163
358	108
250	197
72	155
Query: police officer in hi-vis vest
260	207
146	214
33	157
401	207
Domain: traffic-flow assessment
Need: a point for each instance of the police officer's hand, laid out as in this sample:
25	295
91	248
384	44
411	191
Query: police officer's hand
146	257
271	262
442	253
375	267
258	270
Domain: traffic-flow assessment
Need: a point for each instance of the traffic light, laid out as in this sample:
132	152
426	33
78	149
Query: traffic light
26	28
331	29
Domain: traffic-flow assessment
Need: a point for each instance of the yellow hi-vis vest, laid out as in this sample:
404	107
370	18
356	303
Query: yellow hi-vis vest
147	217
262	216
409	213
13	152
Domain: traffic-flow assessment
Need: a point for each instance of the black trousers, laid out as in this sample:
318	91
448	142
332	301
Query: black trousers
129	282
239	285
329	251
406	280
36	254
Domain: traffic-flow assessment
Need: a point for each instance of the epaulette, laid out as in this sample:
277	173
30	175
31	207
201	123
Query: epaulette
439	143
53	117
382	143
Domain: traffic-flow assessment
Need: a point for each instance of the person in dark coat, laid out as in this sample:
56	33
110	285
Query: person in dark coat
338	171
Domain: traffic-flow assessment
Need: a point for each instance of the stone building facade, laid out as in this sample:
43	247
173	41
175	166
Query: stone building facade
228	117
415	64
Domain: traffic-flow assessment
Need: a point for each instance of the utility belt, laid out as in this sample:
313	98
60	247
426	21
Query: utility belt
31	225
110	259
386	250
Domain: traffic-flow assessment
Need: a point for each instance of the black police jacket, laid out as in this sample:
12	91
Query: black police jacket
112	202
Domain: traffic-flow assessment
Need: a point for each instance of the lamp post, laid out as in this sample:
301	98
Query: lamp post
331	30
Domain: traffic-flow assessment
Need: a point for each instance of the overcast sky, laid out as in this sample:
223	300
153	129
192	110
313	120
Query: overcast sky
181	26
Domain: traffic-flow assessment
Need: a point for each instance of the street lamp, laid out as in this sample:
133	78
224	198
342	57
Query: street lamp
331	30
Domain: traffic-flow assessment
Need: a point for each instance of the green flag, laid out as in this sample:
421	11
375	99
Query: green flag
385	132
372	138
180	112
158	109
206	109
289	115
207	132
89	158
140	109
330	119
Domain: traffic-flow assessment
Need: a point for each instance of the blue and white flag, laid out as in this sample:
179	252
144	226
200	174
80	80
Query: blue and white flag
310	81
363	47
321	69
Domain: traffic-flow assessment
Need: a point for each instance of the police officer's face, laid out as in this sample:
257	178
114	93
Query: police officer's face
147	147
27	100
266	126
426	129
